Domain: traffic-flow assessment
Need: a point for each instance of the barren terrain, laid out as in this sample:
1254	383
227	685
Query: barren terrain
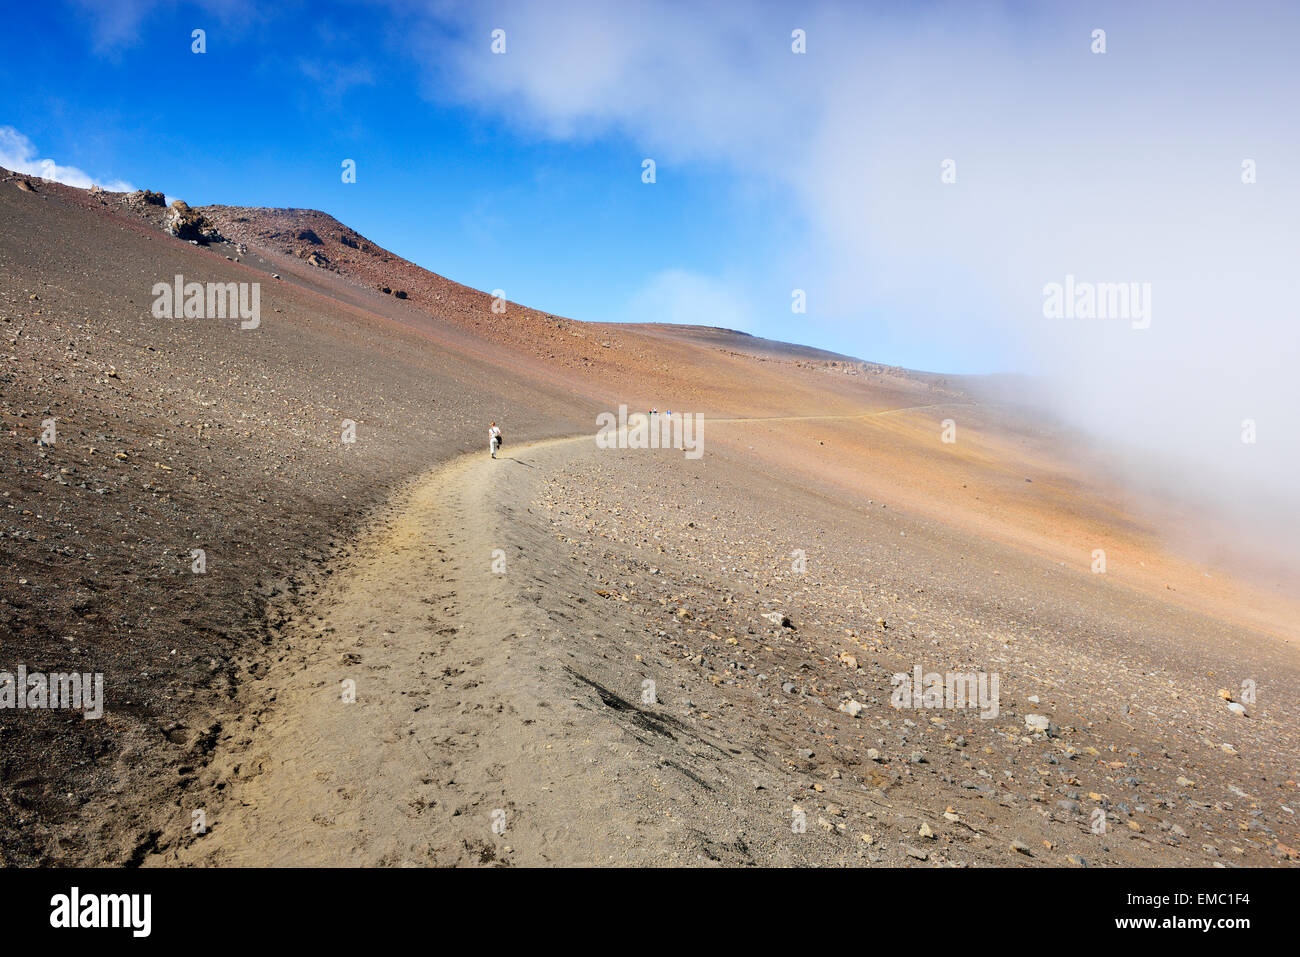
574	655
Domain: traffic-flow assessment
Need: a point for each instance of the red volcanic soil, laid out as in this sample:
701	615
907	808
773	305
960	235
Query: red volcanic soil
520	688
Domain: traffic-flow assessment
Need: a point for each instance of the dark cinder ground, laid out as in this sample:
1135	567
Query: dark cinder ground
521	691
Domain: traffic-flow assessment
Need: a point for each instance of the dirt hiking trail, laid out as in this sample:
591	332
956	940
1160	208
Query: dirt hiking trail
450	725
496	640
445	728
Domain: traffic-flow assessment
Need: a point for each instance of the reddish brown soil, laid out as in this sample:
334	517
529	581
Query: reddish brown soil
183	434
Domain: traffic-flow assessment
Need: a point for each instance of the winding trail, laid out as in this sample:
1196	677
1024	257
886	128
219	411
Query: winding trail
451	730
444	729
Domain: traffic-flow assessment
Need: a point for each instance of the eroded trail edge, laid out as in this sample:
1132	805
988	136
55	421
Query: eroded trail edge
444	729
497	623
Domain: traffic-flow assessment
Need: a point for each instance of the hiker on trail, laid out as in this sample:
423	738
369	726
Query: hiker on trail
494	439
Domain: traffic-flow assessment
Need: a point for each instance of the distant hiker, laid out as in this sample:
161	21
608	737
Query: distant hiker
494	439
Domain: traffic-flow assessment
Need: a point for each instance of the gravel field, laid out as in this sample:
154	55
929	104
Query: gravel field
573	654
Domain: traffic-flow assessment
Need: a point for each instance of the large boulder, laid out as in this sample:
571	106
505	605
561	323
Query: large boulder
145	197
186	223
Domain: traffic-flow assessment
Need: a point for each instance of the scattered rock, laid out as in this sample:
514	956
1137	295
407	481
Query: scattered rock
189	224
1038	722
146	197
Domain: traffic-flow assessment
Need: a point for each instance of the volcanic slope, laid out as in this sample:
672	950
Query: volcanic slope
520	691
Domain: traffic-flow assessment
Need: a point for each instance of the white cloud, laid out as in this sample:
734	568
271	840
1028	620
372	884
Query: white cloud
19	154
1114	167
335	79
116	26
683	297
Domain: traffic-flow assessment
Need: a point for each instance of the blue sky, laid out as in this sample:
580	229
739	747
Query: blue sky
266	116
775	170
